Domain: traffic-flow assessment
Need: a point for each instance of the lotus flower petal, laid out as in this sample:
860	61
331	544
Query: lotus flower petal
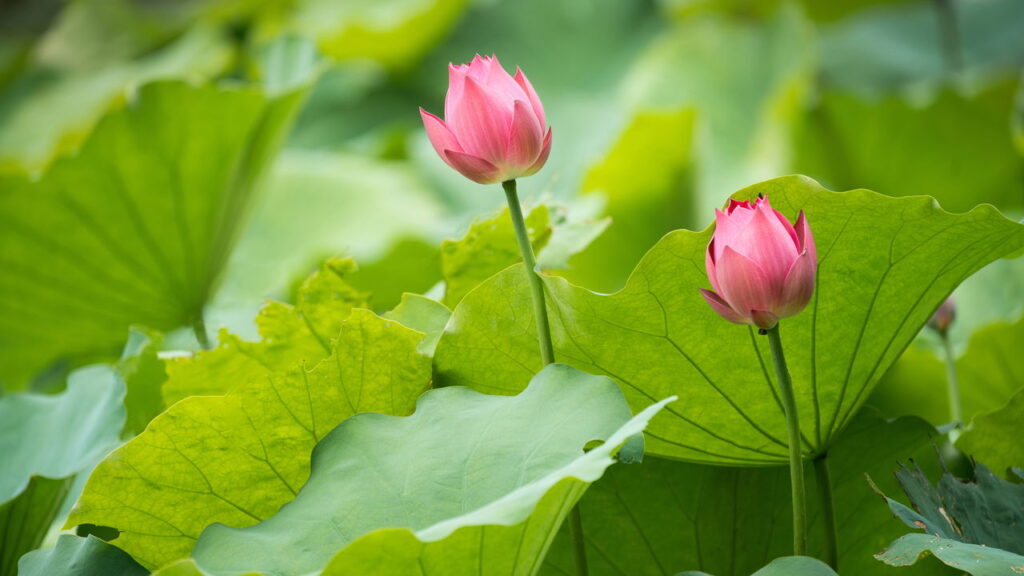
524	140
798	286
764	319
440	136
805	240
744	285
764	240
473	167
722	307
531	94
542	158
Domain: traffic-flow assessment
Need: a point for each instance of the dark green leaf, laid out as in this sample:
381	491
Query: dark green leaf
74	556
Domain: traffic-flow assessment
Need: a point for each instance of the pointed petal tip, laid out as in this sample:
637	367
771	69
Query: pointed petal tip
722	308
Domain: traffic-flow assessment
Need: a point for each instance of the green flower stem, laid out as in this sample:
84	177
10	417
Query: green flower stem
828	507
547	350
199	328
796	468
956	412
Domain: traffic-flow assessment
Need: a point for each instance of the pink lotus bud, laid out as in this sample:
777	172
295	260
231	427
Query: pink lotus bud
943	317
493	128
761	267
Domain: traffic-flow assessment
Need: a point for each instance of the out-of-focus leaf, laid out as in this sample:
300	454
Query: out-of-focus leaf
143	373
989	371
994	438
747	82
491	478
644	203
411	266
74	556
237	458
393	33
885	264
46	113
895	47
661	517
147	213
45	442
902	149
320	204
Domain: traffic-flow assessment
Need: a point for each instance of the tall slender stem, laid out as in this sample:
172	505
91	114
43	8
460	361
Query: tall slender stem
199	328
828	507
547	350
796	463
952	381
540	311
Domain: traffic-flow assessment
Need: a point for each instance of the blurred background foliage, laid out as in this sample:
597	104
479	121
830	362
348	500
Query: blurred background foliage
660	109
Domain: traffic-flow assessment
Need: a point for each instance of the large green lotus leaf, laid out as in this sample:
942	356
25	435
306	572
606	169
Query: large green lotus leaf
902	148
644	205
47	111
989	371
237	458
468	483
45	442
148	212
74	556
291	336
974	559
662	516
994	438
885	264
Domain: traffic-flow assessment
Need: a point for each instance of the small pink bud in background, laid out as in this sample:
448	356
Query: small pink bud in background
760	266
943	317
494	128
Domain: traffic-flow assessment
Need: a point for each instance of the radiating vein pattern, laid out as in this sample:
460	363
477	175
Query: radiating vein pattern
237	458
886	265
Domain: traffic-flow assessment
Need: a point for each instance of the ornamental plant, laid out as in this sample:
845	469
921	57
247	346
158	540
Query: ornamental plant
250	324
764	269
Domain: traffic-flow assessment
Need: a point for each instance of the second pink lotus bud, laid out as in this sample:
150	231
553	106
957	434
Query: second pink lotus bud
761	267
